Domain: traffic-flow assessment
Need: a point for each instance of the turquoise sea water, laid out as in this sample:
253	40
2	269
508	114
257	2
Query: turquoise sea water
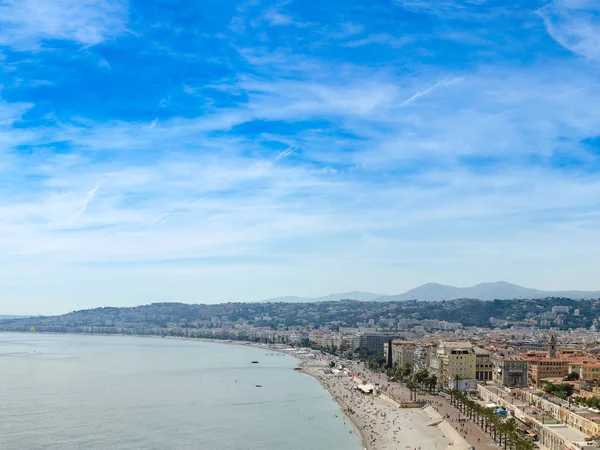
114	392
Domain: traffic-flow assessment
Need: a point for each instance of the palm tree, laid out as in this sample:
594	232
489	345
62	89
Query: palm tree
431	382
487	414
496	423
520	442
454	397
461	401
412	386
509	429
471	408
523	443
420	376
479	414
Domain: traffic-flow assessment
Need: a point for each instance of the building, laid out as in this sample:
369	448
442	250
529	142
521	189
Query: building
422	357
542	368
587	370
579	419
547	367
455	363
552	347
510	371
372	341
483	364
566	432
402	353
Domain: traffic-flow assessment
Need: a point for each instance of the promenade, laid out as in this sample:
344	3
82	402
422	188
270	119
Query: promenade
382	424
468	430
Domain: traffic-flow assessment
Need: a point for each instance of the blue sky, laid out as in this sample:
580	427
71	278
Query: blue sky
221	150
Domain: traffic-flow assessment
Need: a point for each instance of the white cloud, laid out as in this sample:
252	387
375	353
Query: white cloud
380	38
444	8
276	18
574	24
376	191
284	154
26	24
430	89
89	196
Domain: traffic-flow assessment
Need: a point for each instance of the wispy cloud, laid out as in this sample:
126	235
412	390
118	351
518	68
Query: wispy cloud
89	196
380	38
430	89
25	24
276	18
574	24
279	158
284	153
445	8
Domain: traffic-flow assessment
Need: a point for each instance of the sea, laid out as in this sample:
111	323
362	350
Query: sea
66	391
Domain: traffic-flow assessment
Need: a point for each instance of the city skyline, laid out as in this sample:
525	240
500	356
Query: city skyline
428	293
237	151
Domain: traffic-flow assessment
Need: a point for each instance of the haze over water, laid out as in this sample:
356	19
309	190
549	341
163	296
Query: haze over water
96	392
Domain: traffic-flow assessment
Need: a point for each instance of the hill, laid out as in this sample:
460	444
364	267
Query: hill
500	290
354	295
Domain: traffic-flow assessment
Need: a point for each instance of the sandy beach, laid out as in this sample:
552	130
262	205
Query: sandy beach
379	419
381	422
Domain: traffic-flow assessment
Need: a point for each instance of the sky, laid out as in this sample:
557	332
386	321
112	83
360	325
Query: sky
225	150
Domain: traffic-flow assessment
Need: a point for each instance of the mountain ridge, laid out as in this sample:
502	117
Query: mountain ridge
353	295
496	290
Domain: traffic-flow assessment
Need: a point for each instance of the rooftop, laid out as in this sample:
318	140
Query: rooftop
481	351
567	432
456	344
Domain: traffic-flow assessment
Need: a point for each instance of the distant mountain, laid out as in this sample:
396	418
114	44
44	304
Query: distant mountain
7	317
354	295
289	299
500	290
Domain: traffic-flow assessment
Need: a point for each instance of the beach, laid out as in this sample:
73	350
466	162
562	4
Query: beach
382	424
378	419
381	421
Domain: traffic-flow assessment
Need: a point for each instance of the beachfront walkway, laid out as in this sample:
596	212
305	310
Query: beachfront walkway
472	433
469	430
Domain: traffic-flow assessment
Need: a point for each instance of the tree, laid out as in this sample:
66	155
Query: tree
488	415
561	390
420	376
522	443
572	376
406	370
431	383
343	348
509	428
412	386
476	408
495	423
593	402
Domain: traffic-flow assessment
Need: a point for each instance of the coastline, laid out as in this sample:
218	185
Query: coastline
379	421
355	423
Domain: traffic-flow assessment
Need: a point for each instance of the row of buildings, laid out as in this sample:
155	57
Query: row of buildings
459	365
512	376
462	365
